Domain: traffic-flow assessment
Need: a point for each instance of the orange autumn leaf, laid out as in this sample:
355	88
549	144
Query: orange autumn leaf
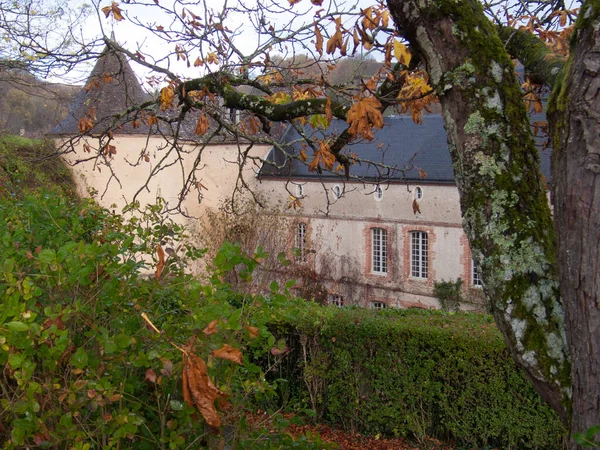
115	10
167	95
229	353
160	266
202	125
211	328
323	157
85	124
319	40
152	120
198	389
252	331
363	116
416	208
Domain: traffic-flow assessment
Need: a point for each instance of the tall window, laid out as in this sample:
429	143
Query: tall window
335	300
475	276
379	250
378	193
419	251
301	241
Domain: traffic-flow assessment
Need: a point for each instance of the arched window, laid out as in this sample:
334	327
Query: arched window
379	254
419	253
418	193
337	191
299	190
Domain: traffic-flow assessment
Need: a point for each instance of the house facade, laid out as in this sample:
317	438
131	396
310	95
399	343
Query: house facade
382	235
377	236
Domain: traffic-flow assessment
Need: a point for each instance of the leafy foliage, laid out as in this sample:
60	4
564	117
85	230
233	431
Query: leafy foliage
415	373
83	364
449	293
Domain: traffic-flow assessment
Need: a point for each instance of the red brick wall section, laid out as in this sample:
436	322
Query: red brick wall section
431	236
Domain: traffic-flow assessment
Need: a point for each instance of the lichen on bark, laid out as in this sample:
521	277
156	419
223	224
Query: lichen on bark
503	198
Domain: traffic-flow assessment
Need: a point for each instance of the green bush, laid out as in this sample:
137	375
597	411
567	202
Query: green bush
83	368
415	373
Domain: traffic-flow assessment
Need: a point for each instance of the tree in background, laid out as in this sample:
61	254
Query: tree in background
450	50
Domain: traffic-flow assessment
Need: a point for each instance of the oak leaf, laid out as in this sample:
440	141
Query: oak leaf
229	353
363	116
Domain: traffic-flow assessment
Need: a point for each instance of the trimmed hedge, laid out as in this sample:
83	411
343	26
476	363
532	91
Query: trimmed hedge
416	373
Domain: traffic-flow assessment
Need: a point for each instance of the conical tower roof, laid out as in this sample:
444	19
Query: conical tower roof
111	88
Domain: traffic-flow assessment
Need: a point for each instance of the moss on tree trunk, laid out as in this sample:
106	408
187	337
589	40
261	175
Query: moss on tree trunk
503	197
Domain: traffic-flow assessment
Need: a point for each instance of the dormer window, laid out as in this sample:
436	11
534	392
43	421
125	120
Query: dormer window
233	115
378	194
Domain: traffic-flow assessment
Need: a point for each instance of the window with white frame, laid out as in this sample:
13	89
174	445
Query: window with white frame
234	115
419	252
299	190
337	191
300	241
418	193
335	300
378	305
378	193
379	263
475	276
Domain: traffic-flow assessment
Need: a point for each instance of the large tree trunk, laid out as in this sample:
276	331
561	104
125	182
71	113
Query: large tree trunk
503	197
575	124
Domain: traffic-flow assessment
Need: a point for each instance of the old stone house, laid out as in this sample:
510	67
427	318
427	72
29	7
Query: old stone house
379	236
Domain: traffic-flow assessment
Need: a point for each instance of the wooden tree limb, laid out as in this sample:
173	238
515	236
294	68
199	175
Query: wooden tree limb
541	62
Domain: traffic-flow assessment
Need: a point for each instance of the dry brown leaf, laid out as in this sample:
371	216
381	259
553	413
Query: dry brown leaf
115	10
415	206
252	331
319	40
202	125
211	328
363	116
167	95
160	266
202	391
229	353
323	157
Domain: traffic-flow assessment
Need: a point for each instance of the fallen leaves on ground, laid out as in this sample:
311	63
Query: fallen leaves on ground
354	441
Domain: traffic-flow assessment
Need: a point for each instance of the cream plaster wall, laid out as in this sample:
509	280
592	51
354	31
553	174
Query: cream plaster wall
217	171
341	238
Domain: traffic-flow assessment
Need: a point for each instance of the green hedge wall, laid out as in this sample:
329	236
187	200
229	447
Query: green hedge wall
415	373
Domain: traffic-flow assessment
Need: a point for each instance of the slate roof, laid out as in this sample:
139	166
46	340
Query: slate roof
110	89
400	143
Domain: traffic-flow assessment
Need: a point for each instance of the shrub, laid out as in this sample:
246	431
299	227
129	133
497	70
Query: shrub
95	321
416	373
